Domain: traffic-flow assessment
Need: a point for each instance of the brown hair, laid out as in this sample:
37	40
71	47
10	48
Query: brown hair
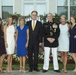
73	18
34	11
1	21
70	21
22	18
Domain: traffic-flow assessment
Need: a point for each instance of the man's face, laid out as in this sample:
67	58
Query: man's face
34	15
49	17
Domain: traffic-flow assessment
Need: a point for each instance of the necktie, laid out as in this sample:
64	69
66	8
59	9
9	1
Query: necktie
33	25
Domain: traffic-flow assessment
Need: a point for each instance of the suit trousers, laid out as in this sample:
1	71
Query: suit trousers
33	51
46	58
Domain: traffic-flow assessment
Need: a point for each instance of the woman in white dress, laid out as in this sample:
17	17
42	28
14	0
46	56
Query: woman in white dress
9	32
64	41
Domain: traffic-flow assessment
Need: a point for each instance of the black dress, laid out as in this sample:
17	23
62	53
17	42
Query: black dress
2	44
72	40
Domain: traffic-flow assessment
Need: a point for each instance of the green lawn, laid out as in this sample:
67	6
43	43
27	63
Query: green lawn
16	66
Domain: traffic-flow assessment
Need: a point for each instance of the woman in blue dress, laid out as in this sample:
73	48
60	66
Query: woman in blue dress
73	39
22	37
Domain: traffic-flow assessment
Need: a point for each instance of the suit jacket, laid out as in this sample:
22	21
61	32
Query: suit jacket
35	37
51	30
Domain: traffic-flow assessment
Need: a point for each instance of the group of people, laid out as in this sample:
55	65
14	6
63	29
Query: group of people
27	38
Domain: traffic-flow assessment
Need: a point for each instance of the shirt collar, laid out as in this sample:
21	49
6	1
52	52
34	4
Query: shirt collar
35	21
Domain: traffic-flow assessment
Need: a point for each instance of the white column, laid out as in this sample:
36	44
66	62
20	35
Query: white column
1	8
68	10
48	6
22	7
17	6
53	6
13	6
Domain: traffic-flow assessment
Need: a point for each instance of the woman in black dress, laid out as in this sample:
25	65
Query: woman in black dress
73	39
2	46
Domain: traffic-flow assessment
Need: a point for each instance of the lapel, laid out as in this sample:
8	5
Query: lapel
36	25
31	25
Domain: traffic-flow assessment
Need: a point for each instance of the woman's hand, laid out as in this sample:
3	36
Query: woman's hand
6	45
15	46
26	45
75	36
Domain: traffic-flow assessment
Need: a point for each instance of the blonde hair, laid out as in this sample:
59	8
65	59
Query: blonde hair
63	16
7	20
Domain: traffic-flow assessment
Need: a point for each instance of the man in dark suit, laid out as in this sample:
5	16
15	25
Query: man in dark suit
35	40
51	33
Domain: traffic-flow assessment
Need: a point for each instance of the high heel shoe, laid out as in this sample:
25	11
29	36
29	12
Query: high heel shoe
20	69
74	69
0	69
65	71
7	70
23	70
10	69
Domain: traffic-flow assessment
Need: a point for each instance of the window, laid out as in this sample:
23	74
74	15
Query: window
39	5
6	11
72	7
28	7
66	7
7	8
62	7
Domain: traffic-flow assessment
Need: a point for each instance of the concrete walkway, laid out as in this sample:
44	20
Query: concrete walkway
15	72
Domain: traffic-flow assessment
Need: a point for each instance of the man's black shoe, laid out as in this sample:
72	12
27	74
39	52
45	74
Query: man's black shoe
57	71
36	69
44	71
30	70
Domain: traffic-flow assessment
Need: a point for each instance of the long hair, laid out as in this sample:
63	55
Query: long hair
1	21
73	18
7	20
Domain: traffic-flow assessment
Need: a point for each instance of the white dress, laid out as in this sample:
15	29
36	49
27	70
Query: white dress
63	38
10	39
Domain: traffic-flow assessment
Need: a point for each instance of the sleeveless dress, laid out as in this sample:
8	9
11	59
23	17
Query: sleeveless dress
63	38
10	39
72	40
2	43
21	41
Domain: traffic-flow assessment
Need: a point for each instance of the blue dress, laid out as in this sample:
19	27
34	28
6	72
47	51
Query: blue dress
21	41
72	40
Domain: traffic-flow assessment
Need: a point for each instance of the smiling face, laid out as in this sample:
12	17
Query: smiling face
72	20
34	15
50	17
63	19
10	21
21	22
